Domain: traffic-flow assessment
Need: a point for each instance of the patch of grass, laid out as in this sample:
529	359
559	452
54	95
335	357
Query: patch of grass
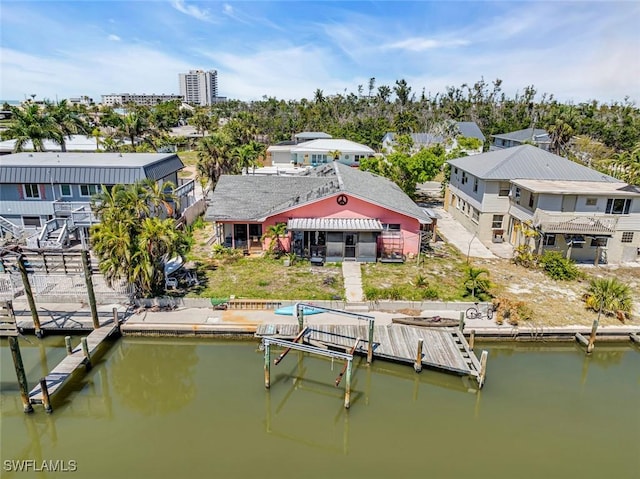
265	278
439	276
189	158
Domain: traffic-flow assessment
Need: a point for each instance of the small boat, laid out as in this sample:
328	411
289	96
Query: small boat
288	310
427	321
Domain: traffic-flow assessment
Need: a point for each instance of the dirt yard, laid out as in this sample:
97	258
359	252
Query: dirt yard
557	303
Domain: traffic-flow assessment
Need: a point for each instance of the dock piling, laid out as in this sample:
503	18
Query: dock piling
370	344
22	377
347	388
461	325
417	366
67	343
472	339
116	320
483	368
85	351
267	365
46	401
29	294
592	337
92	296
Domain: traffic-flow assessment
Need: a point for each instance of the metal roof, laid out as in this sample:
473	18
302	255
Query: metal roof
595	188
527	162
331	144
469	129
86	168
254	198
334	224
528	134
314	135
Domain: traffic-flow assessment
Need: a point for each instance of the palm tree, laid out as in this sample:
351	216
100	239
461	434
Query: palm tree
161	195
247	155
214	158
610	294
202	121
31	124
134	125
476	282
67	120
335	154
273	234
130	244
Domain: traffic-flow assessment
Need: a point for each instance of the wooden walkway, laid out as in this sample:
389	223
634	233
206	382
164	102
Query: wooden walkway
443	348
59	375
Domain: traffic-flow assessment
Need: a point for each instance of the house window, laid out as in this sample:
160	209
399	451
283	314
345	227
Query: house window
455	170
31	191
89	190
592	201
599	242
391	226
31	221
65	190
503	189
618	206
464	177
517	195
475	214
496	224
531	200
475	185
549	240
627	237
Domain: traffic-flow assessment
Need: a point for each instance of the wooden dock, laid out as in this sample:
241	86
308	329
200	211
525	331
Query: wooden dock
59	375
443	348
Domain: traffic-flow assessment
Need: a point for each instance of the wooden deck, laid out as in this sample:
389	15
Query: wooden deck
443	348
59	375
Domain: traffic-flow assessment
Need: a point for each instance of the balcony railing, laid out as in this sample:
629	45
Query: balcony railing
575	223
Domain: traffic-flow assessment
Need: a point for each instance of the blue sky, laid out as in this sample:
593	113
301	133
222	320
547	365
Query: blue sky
577	51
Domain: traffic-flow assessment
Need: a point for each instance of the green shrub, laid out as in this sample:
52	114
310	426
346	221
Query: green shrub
558	267
429	293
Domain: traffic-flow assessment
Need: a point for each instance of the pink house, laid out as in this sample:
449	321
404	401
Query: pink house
332	213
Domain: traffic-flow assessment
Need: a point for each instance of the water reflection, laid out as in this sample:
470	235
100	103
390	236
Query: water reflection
154	377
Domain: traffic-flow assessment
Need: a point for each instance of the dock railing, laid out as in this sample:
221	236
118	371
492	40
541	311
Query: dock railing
299	314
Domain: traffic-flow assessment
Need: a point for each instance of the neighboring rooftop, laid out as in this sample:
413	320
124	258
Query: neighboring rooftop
536	135
90	168
527	162
312	135
325	145
595	188
469	129
252	198
74	143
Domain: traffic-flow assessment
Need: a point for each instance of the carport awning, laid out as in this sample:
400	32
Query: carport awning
334	224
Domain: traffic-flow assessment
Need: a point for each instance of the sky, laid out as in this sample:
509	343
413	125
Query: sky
577	51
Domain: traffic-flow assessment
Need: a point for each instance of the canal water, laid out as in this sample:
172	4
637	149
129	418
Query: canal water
196	408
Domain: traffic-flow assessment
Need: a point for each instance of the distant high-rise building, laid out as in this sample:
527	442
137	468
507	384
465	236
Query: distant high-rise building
144	99
199	87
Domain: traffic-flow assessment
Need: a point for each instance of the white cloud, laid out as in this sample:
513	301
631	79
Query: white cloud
282	71
114	38
418	44
227	9
132	69
193	11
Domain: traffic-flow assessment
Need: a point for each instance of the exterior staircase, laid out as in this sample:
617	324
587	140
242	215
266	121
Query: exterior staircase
8	228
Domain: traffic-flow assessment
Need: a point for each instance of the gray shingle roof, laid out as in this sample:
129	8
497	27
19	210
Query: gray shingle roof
254	198
86	168
528	134
469	129
526	162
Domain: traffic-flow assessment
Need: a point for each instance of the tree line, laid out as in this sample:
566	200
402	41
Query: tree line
605	136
